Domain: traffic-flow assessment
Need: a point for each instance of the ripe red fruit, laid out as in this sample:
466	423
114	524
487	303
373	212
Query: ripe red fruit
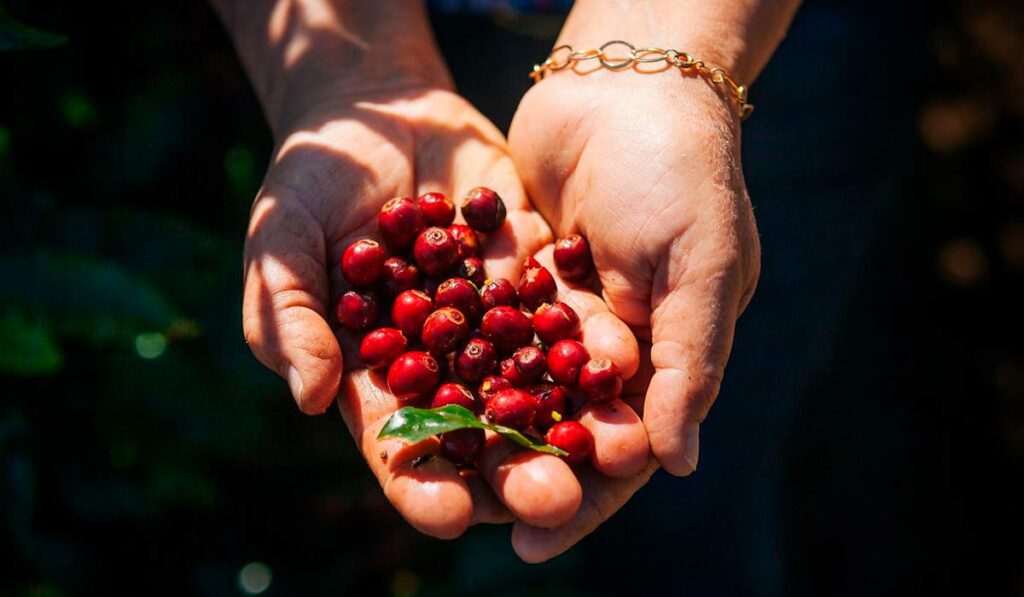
357	310
453	393
460	294
413	377
435	251
573	438
556	321
499	292
600	380
552	405
444	330
462	446
483	209
362	264
507	328
475	360
525	367
400	275
381	347
399	222
410	309
467	239
566	359
490	387
572	258
437	209
536	287
512	408
531	263
472	269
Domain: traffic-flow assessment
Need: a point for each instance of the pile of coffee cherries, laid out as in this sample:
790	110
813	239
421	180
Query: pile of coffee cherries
510	353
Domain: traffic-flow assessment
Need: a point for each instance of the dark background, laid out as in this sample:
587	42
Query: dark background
870	434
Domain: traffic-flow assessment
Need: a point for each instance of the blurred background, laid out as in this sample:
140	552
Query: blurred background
869	438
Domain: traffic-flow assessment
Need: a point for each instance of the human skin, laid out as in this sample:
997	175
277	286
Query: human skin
647	167
362	110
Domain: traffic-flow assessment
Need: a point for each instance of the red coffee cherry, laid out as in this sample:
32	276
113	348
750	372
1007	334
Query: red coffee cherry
552	405
573	259
409	311
498	292
566	359
444	330
512	408
400	275
413	377
507	328
362	264
600	380
483	210
525	367
459	294
490	387
399	221
381	347
472	269
536	287
475	360
462	446
437	209
453	393
556	321
357	310
467	239
435	251
573	438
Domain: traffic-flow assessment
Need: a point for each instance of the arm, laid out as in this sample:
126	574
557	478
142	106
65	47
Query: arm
300	54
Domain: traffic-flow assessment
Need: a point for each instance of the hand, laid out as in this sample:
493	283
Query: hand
646	167
332	171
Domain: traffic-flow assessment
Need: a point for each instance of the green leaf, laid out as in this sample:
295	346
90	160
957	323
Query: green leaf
16	36
414	425
27	347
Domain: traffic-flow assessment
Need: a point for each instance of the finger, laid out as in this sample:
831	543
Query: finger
537	488
604	334
284	311
427	490
602	498
487	508
692	322
621	448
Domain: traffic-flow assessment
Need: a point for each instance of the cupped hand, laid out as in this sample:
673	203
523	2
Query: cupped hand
647	167
333	168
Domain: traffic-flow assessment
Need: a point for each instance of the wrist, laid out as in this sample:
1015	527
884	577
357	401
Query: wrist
736	35
307	55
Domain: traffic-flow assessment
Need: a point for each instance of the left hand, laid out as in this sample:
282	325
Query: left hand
647	167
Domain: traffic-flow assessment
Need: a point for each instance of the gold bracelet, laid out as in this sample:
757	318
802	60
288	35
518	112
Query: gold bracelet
684	62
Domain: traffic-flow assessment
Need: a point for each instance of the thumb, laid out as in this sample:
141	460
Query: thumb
284	314
692	324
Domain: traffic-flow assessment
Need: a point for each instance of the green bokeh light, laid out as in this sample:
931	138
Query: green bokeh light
78	110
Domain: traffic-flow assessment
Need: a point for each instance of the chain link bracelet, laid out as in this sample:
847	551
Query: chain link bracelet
565	56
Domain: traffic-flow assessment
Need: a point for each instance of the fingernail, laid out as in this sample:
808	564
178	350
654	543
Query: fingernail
295	383
692	451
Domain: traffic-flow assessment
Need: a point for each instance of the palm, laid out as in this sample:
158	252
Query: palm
657	190
323	191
